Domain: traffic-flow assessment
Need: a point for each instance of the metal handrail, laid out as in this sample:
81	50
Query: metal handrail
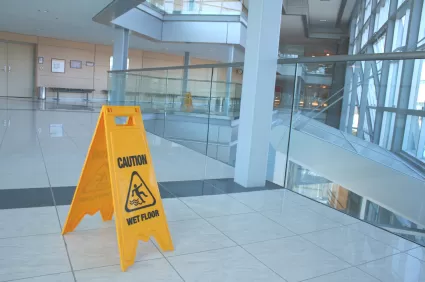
177	78
293	61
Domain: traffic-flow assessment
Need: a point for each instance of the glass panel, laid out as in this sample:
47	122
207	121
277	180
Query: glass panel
341	181
412	135
288	82
308	101
400	31
368	10
379	45
400	2
365	36
382	14
417	95
199	7
421	37
393	88
387	130
358	25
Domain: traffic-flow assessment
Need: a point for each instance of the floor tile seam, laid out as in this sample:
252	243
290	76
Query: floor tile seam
200	252
357	267
323	249
321	275
236	244
300	234
257	259
384	257
37	276
420	260
230	195
164	257
172	266
227	215
164	187
267	240
32	235
208	222
369	236
116	264
57	212
352	240
329	217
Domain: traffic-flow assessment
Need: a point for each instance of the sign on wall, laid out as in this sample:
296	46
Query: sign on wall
58	66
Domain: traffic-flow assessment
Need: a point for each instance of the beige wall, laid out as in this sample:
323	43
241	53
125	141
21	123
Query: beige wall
97	77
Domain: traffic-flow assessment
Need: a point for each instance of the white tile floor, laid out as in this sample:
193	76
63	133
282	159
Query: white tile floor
27	143
209	246
253	236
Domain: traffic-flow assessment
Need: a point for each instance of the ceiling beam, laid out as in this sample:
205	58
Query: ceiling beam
340	13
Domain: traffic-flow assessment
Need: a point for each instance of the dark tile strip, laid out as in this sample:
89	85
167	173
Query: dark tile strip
191	188
25	198
42	197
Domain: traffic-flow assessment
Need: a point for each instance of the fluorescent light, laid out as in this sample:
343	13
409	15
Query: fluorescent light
323	20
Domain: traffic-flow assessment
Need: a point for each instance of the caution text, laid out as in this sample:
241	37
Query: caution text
131	161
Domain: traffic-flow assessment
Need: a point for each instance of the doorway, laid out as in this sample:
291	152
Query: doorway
16	70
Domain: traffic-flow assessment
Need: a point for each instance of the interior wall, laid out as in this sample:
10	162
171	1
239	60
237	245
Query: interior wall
96	77
89	77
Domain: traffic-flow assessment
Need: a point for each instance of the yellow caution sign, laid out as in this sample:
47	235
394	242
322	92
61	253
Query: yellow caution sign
188	103
118	176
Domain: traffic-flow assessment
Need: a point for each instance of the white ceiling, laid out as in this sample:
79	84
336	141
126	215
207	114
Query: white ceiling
72	20
323	13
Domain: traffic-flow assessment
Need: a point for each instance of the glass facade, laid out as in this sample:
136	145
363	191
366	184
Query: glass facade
391	115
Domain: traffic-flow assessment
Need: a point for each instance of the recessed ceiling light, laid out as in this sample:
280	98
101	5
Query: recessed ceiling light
323	20
327	55
313	56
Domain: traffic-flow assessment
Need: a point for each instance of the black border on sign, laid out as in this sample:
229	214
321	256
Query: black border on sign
78	66
128	194
64	65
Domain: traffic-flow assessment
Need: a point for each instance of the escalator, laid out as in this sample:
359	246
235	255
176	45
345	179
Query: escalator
361	167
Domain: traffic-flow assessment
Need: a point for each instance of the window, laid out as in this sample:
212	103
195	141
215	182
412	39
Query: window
421	37
111	62
393	87
368	10
400	2
400	31
358	25
379	45
417	94
387	130
414	137
365	36
382	12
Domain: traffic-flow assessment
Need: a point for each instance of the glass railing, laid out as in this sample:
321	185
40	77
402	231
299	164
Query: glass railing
197	112
165	91
199	7
333	140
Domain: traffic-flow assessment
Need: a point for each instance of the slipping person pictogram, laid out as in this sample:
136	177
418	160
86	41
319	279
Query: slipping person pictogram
139	196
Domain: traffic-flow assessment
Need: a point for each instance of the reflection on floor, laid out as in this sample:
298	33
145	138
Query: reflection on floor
221	231
50	147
